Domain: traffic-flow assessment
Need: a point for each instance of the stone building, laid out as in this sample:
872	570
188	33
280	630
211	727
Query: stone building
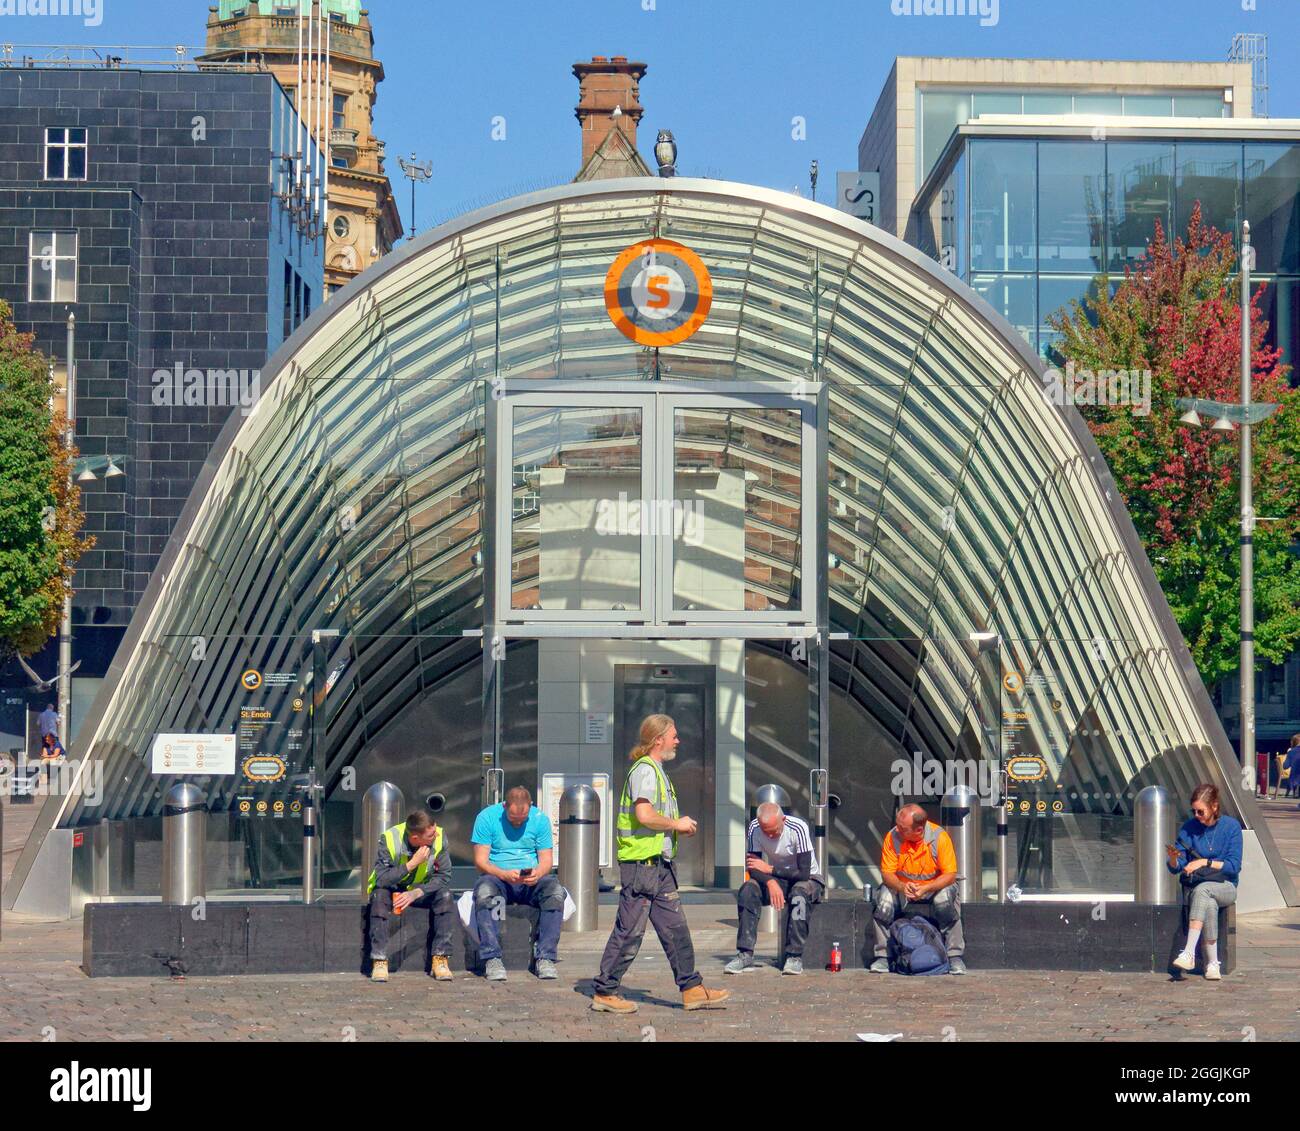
362	216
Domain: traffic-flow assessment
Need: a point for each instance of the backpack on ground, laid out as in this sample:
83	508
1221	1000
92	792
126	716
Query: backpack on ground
916	946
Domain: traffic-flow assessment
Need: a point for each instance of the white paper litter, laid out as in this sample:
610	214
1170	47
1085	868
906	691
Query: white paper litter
878	1037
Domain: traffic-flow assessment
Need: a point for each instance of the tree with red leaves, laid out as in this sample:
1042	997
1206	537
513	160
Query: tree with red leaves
1177	314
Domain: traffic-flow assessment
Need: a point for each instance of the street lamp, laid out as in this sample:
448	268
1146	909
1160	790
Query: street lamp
65	624
416	172
812	176
1227	417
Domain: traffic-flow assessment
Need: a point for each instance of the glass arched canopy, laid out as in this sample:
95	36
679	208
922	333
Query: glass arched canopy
905	496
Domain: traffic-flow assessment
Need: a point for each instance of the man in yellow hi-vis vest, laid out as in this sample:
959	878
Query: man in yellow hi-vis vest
647	828
412	869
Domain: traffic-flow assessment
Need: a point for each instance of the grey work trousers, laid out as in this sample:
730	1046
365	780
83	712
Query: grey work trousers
649	892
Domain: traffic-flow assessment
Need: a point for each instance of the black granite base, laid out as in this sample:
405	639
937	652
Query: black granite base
1031	936
146	939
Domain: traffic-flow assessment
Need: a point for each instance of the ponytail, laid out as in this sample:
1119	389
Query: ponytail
653	728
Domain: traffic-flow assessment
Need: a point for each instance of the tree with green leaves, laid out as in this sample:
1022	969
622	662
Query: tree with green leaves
40	509
1177	314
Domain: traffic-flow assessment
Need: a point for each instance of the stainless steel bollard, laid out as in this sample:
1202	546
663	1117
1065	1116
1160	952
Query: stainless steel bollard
580	854
769	921
818	811
1153	828
960	816
382	807
185	828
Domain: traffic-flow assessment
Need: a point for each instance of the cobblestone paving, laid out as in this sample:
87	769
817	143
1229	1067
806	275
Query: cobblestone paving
43	995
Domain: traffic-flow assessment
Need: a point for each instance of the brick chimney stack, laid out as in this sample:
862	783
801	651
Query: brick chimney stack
604	84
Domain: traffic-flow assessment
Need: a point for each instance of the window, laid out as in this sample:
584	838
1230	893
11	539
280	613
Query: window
1003	206
340	111
1273	206
342	228
1210	175
1141	191
1071	205
65	154
52	258
339	162
288	300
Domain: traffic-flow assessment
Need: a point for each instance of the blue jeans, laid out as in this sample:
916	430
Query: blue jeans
492	896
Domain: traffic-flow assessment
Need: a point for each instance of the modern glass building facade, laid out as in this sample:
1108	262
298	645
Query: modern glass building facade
1032	213
473	532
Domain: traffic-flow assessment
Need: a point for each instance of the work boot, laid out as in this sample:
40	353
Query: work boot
697	997
495	970
440	968
879	966
612	1003
379	970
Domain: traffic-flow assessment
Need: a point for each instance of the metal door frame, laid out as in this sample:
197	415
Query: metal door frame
690	674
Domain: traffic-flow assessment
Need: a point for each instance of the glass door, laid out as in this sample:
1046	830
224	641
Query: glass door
669	506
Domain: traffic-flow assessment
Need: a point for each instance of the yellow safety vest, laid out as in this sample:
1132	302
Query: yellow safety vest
635	841
395	838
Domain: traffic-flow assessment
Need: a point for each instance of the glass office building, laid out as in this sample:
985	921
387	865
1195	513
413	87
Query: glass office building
482	521
1031	212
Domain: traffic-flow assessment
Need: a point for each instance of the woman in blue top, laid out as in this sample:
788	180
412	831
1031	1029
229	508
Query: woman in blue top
1292	763
1208	854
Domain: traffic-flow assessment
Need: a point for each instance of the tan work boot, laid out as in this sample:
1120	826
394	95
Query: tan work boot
440	968
379	970
612	1003
700	998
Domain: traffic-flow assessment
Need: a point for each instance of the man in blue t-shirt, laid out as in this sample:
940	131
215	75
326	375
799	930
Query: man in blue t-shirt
513	850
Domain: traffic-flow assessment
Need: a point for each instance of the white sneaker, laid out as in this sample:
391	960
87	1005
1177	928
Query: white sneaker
1185	961
1212	973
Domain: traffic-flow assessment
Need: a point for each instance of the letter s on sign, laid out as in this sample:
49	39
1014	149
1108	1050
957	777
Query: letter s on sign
657	285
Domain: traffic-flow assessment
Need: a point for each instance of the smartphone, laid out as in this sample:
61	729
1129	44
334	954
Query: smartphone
525	872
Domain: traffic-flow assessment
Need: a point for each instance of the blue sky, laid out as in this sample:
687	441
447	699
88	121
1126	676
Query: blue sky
727	76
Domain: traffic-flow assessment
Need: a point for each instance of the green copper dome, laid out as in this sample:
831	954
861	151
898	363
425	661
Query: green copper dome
350	10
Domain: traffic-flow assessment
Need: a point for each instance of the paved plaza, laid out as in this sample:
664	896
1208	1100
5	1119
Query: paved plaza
45	995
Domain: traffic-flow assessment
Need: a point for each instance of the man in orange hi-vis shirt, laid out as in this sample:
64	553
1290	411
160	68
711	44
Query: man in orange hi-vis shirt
918	870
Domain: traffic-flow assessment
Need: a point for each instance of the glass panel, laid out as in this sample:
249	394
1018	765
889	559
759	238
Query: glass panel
996	104
1141	192
1273	206
54	163
1281	310
1210	174
1012	296
77	164
1071	205
1199	106
736	513
1002	206
77	136
576	508
65	280
1148	105
1048	104
941	113
1098	104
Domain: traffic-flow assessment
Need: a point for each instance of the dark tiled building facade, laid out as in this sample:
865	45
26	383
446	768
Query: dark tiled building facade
147	203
